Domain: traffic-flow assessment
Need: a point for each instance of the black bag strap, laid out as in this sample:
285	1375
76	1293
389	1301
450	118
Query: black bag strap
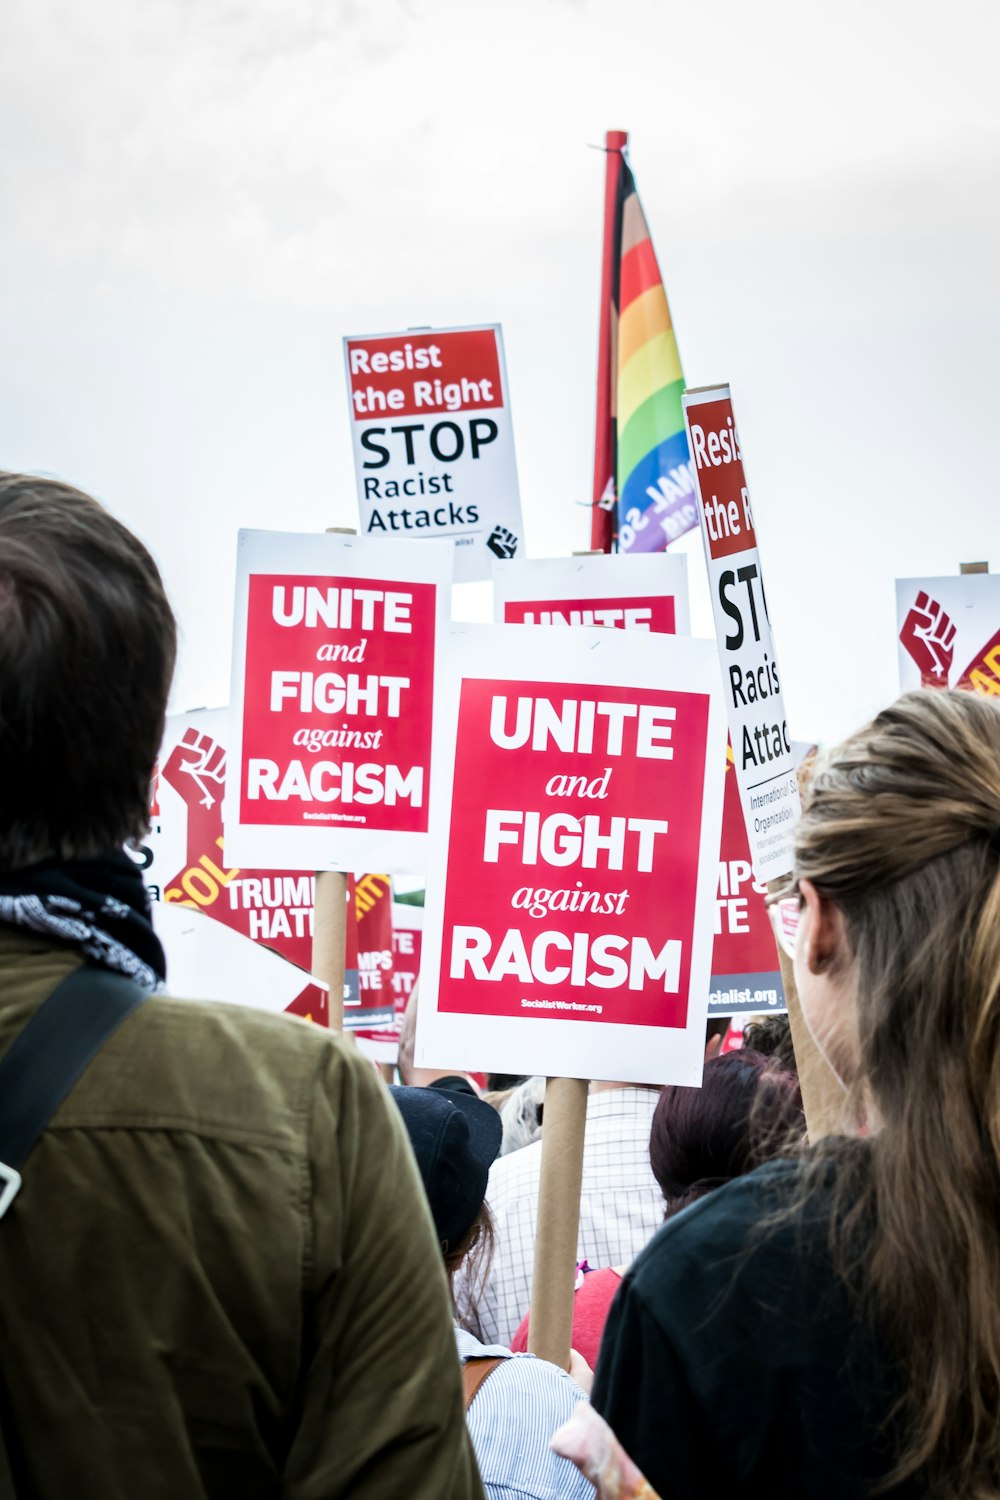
47	1057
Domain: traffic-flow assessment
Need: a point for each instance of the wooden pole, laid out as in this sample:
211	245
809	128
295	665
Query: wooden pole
823	1096
558	1224
329	948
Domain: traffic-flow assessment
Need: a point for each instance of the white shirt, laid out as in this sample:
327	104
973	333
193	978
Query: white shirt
512	1417
621	1205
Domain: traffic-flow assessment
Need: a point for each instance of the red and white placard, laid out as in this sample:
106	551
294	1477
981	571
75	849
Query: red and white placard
762	747
207	961
948	631
333	685
433	442
629	593
574	854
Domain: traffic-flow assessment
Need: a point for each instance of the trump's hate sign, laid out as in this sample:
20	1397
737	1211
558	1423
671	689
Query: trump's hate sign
574	854
333	686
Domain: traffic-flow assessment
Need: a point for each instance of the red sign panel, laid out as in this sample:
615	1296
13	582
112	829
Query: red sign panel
567	798
715	448
654	612
337	702
420	374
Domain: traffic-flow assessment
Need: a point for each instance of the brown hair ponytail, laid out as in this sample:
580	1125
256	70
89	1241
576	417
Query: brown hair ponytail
901	831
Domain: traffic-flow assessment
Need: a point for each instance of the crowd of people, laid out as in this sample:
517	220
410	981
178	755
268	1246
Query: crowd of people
234	1264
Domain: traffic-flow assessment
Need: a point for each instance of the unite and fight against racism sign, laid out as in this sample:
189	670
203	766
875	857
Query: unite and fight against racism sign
625	593
333	690
762	747
433	442
577	780
650	593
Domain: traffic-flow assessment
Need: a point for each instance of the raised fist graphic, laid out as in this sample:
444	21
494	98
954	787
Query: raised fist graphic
501	542
929	636
204	761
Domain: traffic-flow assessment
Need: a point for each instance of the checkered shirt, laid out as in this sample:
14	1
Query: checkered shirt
621	1205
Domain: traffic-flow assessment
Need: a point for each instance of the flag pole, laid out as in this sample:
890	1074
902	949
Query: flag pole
602	521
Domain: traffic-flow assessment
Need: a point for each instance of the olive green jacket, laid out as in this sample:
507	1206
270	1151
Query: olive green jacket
220	1277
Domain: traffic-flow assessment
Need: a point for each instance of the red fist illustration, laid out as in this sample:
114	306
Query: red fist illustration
197	764
929	636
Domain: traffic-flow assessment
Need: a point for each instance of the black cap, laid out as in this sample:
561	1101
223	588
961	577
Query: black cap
456	1139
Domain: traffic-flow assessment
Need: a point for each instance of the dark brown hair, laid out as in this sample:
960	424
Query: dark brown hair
87	647
747	1111
900	831
474	1251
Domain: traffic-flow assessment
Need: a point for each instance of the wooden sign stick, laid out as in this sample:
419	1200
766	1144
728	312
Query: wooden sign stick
823	1095
558	1224
329	950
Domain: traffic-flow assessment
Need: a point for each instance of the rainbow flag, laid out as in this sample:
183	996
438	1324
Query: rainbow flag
654	490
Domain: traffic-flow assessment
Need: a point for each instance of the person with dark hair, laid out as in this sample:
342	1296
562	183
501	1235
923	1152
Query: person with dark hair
747	1111
514	1402
771	1036
620	1204
830	1327
211	1227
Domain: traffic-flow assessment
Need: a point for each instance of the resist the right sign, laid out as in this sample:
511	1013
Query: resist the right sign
762	747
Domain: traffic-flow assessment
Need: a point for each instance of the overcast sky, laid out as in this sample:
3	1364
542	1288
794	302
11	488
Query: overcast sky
200	197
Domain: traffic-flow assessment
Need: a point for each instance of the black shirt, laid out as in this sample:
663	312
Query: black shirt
733	1363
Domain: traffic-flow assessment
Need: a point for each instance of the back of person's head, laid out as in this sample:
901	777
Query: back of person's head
901	833
455	1139
771	1036
87	646
747	1110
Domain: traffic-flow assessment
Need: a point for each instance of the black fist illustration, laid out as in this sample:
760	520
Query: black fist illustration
501	542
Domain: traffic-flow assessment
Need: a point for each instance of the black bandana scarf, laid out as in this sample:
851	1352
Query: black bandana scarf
100	905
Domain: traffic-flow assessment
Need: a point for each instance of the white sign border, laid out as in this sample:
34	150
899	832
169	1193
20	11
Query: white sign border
273	846
562	1048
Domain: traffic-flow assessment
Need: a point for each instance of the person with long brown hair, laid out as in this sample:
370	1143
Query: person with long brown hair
831	1327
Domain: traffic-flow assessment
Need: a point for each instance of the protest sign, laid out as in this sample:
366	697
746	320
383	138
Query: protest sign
574	854
758	728
745	973
949	632
370	1010
333	674
433	442
381	1043
183	857
407	944
208	961
629	593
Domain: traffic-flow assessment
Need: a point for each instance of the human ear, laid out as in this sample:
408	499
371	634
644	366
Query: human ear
822	928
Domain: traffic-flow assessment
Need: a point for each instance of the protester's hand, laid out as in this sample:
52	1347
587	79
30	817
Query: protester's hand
929	636
588	1442
580	1371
